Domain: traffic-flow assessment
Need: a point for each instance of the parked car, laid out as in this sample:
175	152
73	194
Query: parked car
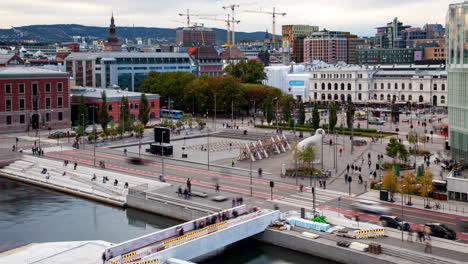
376	121
58	134
393	222
370	206
441	230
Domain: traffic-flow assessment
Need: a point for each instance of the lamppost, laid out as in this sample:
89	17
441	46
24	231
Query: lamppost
276	114
162	154
251	187
208	146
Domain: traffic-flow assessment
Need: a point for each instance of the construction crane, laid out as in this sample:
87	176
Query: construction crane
233	9
228	22
188	15
274	14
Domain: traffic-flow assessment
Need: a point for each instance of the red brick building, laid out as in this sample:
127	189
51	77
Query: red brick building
93	98
33	98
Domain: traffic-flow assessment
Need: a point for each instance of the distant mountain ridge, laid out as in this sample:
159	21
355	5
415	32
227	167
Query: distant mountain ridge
64	33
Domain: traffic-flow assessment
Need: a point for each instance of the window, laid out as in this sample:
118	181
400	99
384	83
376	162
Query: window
315	85
381	86
47	117
389	86
442	99
421	87
375	86
323	86
59	87
59	102
21	88
34	89
131	106
342	86
396	86
7	88
8	120
421	99
152	104
60	116
410	97
110	107
21	104
435	86
349	87
47	87
8	105
443	87
336	86
360	87
22	119
47	102
411	86
402	86
329	86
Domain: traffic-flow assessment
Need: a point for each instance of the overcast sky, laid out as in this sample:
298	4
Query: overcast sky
358	16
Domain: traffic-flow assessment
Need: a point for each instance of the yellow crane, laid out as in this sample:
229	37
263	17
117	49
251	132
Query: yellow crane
228	23
188	15
274	14
233	9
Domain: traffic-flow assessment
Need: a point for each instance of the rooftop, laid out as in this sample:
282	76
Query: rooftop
24	70
95	93
95	55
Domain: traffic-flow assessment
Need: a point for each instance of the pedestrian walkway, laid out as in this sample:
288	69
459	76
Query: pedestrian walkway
305	199
449	207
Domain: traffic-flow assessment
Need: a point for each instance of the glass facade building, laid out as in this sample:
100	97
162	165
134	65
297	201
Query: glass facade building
457	66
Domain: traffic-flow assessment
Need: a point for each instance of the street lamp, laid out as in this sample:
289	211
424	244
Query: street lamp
162	153
208	146
93	107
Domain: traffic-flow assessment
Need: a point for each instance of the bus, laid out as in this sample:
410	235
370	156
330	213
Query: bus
442	130
174	114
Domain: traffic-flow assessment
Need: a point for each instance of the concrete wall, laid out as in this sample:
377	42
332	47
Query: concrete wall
321	248
216	240
172	210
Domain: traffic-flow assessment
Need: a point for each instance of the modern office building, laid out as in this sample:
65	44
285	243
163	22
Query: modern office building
389	56
426	84
408	36
434	31
93	98
195	36
386	36
33	98
293	40
457	65
353	43
328	46
126	70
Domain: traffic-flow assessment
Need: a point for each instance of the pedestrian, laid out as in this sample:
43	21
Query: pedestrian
189	185
360	179
365	186
341	152
94	177
126	185
368	156
320	182
369	163
427	240
241	200
420	236
260	172
301	188
217	187
233	202
347	168
352	168
375	175
186	194
64	173
362	160
48	175
125	151
179	191
76	165
232	163
359	169
346	177
324	184
64	163
410	235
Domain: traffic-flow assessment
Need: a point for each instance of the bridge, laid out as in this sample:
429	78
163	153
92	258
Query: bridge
189	240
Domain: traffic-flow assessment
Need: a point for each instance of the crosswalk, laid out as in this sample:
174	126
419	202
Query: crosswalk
306	199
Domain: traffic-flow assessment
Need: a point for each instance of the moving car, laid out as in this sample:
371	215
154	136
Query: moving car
135	160
393	222
441	230
376	121
370	206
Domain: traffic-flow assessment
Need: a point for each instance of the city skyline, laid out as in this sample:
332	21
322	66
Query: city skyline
361	17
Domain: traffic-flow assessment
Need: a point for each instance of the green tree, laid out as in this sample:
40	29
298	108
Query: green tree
269	112
83	119
307	155
248	72
390	182
396	150
315	117
302	114
103	114
427	186
287	104
350	109
230	94
143	110
332	119
125	120
291	123
255	94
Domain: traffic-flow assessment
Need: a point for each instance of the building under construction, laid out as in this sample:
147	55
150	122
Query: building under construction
196	36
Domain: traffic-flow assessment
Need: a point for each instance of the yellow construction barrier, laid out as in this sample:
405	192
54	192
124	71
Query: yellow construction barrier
370	233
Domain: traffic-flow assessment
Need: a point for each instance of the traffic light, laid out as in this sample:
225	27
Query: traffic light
272	184
17	139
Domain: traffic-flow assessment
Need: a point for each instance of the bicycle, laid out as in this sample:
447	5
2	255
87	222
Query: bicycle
437	206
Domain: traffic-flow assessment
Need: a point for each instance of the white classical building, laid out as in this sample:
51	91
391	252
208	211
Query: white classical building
404	83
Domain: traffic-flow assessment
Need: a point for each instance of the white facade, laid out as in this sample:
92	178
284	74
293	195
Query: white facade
414	83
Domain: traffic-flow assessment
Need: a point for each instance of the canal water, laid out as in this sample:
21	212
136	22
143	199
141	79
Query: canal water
30	214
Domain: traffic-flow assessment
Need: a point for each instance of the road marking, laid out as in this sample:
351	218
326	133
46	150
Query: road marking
429	219
292	204
310	199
